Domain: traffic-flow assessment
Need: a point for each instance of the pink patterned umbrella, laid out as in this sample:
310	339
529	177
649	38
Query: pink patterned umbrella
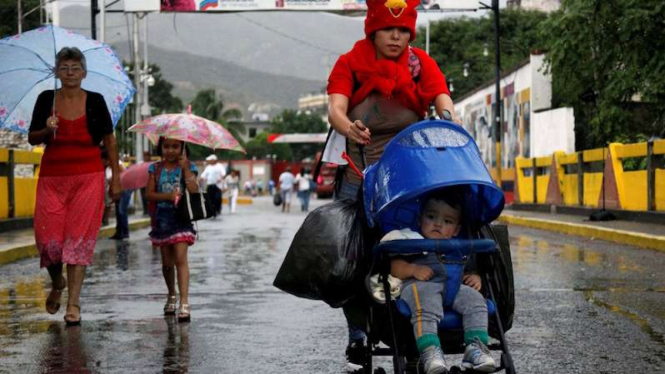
135	176
189	128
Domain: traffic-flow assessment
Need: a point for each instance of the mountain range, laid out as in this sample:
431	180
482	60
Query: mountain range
268	59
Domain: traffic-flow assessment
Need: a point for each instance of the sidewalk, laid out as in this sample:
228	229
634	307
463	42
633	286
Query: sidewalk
20	244
638	234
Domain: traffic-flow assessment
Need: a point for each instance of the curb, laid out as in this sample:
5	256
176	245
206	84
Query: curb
240	201
23	251
617	236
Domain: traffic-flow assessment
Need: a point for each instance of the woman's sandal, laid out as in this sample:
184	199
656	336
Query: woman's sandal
72	322
170	306
53	298
183	313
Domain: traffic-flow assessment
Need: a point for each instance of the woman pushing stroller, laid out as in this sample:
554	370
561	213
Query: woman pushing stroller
377	89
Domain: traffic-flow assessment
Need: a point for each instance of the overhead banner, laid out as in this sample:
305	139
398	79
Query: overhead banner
300	5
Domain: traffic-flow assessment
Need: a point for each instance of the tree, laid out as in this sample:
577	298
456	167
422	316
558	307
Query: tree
603	54
292	122
260	148
160	97
460	41
9	16
207	104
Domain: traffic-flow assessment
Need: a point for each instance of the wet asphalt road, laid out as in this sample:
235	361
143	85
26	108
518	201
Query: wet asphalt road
583	306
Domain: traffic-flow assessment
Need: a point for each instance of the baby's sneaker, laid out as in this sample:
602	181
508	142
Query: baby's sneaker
433	361
477	357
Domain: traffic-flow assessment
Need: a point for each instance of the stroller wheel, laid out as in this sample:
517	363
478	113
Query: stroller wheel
507	363
380	371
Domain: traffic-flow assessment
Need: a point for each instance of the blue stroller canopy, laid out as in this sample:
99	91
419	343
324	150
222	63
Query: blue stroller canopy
425	157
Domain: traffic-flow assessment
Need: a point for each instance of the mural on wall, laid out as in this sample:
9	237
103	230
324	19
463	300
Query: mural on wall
515	134
476	123
511	135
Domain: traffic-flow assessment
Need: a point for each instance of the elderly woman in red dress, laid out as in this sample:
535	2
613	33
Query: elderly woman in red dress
377	89
72	122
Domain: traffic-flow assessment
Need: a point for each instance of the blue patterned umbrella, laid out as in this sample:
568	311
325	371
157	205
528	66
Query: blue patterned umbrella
27	68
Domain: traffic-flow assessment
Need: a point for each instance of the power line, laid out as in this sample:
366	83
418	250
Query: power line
287	36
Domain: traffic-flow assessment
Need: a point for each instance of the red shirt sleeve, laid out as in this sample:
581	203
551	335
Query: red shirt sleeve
340	80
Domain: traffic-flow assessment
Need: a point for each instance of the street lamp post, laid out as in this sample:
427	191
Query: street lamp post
497	118
496	134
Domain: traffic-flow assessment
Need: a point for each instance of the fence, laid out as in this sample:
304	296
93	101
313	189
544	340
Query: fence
621	176
17	194
633	177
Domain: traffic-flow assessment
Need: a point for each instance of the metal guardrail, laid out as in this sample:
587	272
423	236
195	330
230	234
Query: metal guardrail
580	176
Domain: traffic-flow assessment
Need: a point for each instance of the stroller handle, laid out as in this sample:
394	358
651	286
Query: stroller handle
462	247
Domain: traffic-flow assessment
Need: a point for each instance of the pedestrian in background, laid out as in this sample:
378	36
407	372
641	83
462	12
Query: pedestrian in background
271	187
259	187
286	182
213	175
122	213
72	122
232	184
144	201
167	181
304	181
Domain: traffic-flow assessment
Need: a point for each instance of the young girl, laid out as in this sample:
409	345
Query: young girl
172	235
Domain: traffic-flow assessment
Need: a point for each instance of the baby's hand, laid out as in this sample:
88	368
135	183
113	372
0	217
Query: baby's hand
423	273
472	280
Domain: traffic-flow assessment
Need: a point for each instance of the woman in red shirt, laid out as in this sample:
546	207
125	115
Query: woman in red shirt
377	89
70	189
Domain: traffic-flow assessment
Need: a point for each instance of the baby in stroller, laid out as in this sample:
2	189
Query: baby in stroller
423	287
432	185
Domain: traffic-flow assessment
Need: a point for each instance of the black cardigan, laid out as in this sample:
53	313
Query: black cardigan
97	114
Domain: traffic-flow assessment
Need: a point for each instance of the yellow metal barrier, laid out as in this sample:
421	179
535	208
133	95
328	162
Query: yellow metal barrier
17	194
580	177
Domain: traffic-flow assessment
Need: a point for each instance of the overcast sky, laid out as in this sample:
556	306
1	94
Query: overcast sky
422	17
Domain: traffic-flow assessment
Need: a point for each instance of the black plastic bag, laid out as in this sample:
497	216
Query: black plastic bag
277	198
329	256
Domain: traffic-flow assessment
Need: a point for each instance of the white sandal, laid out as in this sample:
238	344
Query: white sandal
183	313
170	306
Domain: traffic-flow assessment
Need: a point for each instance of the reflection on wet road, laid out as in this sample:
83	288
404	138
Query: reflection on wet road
583	306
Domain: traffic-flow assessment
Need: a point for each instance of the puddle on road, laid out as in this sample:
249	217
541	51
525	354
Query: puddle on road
641	322
527	250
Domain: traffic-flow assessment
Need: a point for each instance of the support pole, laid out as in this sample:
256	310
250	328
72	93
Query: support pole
145	106
651	179
138	144
580	178
11	186
102	22
19	8
93	18
427	37
498	116
535	181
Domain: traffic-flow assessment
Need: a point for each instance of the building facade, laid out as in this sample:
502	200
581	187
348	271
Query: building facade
530	127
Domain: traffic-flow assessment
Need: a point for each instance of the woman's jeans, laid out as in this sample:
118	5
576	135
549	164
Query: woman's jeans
304	200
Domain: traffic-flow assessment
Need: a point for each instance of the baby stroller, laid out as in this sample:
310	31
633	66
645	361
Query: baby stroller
423	158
